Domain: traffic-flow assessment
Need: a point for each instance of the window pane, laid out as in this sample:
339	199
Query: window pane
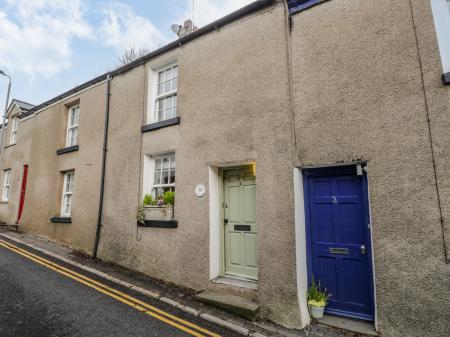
174	84
160	88
161	77
157	178
168	74
76	116
165	177
175	72
67	204
165	163
172	176
167	87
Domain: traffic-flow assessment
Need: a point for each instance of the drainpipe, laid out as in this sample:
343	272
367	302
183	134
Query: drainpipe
102	179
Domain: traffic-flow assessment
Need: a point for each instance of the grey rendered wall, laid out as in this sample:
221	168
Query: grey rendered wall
358	95
43	198
234	107
14	157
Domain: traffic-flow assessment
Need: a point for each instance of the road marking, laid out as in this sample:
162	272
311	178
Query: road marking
118	295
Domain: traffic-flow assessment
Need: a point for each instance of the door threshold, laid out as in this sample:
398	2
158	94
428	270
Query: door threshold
349	324
236	281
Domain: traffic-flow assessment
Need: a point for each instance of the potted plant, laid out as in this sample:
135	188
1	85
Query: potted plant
317	299
161	208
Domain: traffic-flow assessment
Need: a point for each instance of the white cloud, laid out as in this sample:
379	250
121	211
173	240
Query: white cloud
207	11
36	36
122	29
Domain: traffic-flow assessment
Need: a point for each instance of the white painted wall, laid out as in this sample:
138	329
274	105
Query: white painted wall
300	247
214	222
441	15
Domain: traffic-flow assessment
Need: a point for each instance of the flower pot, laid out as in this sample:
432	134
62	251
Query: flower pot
316	312
161	213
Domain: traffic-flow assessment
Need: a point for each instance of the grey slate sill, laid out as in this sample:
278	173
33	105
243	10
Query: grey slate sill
3	202
159	125
306	6
159	223
446	78
67	149
61	219
9	145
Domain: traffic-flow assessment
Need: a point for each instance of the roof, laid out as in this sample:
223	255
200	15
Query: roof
23	106
296	6
244	11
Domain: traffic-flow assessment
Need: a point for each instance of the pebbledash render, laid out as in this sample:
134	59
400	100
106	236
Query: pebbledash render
302	139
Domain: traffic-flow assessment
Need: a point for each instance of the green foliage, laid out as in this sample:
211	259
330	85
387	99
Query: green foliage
140	214
148	200
316	296
169	198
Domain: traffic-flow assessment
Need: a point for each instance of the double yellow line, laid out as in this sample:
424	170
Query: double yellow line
148	309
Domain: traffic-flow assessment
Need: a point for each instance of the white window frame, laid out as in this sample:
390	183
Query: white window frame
14	128
67	193
6	185
72	128
149	186
154	97
441	15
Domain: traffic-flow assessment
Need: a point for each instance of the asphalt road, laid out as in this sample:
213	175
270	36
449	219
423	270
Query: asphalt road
38	301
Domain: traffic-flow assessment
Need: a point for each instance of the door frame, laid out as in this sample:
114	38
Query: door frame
216	215
250	166
339	170
23	188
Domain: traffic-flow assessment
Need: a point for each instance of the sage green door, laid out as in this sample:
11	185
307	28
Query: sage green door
241	258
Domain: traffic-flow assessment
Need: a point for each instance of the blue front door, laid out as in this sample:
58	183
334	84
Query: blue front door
338	238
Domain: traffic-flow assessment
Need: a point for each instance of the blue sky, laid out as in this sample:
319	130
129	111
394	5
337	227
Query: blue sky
50	46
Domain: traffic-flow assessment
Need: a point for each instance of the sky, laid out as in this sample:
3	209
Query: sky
50	46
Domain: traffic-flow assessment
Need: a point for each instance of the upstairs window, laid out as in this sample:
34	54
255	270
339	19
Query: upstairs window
6	184
66	204
14	126
441	16
166	93
72	126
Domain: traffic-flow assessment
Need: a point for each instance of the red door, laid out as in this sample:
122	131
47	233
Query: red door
22	192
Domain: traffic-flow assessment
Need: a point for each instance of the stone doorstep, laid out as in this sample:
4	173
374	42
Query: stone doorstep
233	287
237	305
349	324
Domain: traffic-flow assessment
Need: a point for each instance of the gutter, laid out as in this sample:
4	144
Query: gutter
102	178
240	13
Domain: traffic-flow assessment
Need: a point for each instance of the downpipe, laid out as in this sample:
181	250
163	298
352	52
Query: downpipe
102	179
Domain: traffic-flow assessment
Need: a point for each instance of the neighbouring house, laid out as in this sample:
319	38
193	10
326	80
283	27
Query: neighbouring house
301	138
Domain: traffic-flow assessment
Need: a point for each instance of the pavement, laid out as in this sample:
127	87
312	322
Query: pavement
47	289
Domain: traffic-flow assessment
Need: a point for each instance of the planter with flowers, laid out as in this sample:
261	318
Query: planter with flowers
317	299
157	212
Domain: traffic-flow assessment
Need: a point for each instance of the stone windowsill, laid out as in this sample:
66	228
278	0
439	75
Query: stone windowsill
67	149
160	125
159	223
61	219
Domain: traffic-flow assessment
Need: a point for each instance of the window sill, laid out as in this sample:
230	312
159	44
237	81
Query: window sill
67	149
9	145
297	8
61	219
4	202
159	125
446	78
159	223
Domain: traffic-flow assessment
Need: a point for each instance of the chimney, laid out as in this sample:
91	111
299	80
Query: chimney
187	28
